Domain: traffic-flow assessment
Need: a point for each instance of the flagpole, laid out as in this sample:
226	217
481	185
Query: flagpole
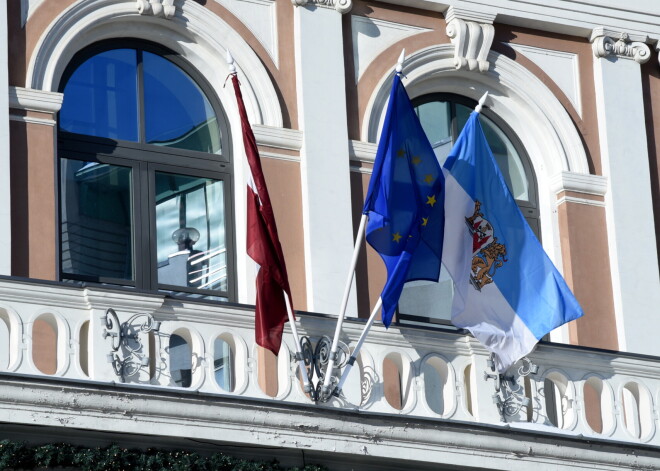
342	312
333	351
292	322
481	103
356	351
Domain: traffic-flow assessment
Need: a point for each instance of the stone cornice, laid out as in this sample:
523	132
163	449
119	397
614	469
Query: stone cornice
472	35
282	138
611	43
34	100
579	183
342	6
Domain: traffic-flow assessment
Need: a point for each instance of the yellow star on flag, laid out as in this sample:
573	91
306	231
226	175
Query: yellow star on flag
416	160
425	221
396	237
428	178
430	200
401	153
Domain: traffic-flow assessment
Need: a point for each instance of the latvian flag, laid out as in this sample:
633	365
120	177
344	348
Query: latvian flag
263	246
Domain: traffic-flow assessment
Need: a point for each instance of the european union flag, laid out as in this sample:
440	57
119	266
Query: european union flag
508	293
405	201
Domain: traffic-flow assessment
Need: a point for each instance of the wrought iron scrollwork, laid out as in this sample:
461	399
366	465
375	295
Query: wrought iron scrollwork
510	395
128	355
316	362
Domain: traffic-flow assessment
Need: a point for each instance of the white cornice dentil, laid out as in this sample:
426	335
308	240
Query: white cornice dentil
612	43
472	35
342	6
161	8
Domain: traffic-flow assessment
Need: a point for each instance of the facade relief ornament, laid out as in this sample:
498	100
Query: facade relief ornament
609	43
472	35
342	6
162	8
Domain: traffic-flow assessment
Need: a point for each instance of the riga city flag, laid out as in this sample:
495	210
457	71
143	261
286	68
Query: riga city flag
263	246
404	201
508	293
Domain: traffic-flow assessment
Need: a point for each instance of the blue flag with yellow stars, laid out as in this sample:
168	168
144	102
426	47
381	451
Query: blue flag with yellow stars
405	201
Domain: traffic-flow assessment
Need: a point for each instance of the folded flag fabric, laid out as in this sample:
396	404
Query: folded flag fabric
405	201
263	245
507	291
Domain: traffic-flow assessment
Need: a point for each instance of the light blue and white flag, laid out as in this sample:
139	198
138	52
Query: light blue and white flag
508	292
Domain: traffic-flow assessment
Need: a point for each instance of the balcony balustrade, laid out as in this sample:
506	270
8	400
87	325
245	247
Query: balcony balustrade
60	331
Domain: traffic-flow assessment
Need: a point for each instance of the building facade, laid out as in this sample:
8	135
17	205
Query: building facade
123	188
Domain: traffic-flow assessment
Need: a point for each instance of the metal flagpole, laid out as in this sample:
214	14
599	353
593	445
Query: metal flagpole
333	351
325	391
292	322
356	351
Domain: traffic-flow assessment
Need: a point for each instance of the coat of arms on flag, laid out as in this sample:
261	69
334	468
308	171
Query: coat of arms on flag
487	254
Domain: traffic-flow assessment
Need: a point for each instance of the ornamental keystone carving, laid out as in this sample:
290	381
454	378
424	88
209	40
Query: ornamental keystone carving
342	6
162	8
472	36
606	43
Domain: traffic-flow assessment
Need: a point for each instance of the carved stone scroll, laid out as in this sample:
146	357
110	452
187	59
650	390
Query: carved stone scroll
606	43
162	8
472	36
342	6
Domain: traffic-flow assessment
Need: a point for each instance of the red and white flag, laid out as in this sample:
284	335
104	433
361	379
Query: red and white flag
263	245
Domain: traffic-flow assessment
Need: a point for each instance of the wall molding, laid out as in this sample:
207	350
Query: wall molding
159	8
34	100
579	183
281	138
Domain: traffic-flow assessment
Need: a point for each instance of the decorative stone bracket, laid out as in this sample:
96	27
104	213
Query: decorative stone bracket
163	8
342	6
604	44
472	36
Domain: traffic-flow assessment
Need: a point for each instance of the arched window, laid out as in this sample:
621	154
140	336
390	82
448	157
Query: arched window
443	116
145	173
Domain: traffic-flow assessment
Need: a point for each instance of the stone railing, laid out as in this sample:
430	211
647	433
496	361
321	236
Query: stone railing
64	332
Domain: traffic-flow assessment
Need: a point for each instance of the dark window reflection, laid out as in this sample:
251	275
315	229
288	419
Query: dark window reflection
100	98
96	219
177	114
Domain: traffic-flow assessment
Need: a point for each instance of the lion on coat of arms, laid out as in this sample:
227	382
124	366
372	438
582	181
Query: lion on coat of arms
488	254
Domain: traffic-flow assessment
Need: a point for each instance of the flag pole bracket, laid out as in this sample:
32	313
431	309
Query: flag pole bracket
316	359
509	396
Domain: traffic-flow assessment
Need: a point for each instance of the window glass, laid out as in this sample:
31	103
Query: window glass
96	219
100	98
190	227
177	114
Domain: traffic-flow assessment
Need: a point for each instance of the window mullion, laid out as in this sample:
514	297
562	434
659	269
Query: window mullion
140	92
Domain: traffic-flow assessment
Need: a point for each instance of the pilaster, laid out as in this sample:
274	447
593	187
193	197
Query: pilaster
324	165
629	212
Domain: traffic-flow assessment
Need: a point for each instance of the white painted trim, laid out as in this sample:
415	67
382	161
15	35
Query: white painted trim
282	138
5	179
579	182
362	170
31	120
35	100
275	156
586	201
361	151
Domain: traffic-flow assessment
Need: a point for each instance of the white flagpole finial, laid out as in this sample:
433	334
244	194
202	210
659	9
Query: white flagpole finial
399	64
482	100
230	62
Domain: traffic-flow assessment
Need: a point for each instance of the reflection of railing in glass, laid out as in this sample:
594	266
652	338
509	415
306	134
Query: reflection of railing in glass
208	270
